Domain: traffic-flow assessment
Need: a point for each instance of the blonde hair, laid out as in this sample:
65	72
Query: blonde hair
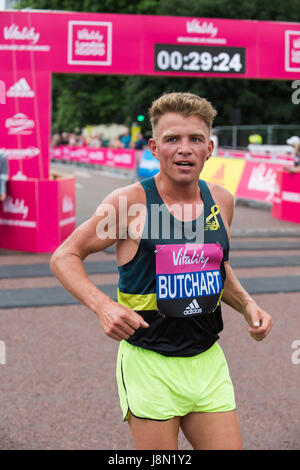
186	104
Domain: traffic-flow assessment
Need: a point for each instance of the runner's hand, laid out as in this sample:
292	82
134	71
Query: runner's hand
260	322
120	322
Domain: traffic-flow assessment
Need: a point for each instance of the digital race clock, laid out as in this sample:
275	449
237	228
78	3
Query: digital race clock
202	59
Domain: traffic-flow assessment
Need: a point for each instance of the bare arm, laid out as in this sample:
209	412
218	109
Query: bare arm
234	295
67	264
118	321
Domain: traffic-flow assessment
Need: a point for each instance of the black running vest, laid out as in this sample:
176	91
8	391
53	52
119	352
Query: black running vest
176	278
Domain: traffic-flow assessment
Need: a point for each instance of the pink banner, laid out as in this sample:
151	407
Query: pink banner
37	215
19	215
286	202
116	158
24	120
258	181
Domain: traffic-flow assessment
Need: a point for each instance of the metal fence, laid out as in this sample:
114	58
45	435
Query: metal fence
238	136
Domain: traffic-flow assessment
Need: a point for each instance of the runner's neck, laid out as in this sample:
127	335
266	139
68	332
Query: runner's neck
179	201
173	193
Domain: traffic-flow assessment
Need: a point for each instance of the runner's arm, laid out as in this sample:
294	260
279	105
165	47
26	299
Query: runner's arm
118	321
234	295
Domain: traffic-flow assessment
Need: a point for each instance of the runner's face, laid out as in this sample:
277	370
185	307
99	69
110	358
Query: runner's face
182	145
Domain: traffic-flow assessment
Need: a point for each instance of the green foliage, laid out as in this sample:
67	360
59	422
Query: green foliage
79	100
267	10
142	7
92	99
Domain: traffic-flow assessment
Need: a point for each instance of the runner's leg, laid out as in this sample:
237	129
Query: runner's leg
154	435
212	431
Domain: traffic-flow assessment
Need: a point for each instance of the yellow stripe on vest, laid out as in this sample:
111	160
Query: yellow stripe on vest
138	301
220	298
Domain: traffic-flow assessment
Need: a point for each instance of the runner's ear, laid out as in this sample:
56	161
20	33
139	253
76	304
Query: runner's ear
153	147
211	146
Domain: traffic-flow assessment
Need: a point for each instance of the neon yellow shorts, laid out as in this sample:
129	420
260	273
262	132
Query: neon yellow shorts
158	387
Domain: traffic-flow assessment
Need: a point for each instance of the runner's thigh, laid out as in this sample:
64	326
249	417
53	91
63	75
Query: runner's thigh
212	431
154	435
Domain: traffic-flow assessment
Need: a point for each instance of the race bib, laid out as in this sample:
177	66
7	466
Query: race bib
188	279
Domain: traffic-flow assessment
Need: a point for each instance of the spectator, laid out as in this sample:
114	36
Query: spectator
55	141
96	142
64	139
126	139
3	177
72	140
101	140
255	139
80	141
295	143
141	142
104	140
116	143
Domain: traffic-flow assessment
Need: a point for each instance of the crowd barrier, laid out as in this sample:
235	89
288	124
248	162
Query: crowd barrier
247	179
269	153
109	157
248	175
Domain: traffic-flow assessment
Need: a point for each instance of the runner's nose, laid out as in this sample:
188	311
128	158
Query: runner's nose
184	147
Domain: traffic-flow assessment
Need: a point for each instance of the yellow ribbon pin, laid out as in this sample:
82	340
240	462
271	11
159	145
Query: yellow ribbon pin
214	224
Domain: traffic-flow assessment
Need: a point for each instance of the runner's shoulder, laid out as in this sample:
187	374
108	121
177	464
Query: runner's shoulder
224	199
221	194
130	194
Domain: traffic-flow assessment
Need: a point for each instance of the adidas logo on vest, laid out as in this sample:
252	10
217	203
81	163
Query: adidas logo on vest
192	308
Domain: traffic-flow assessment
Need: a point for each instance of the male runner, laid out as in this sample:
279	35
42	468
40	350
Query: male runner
174	270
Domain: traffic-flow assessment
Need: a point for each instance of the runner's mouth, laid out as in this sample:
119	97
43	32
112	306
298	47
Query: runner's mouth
184	164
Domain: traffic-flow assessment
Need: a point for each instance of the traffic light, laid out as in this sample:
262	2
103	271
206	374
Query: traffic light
139	113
